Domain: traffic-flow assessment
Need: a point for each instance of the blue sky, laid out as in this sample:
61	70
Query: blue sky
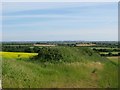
60	21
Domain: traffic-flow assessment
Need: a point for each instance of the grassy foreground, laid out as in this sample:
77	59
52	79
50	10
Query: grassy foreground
20	72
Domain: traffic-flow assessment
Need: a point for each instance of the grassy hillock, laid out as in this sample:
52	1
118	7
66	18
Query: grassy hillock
79	67
68	54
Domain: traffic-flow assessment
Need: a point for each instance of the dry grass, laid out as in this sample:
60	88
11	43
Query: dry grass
85	44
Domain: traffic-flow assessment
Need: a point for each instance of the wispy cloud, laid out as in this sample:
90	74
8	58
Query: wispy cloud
43	35
62	20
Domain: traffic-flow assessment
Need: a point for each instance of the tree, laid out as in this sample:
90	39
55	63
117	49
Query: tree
49	54
109	54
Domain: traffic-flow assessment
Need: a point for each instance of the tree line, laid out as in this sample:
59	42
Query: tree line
106	50
110	54
20	49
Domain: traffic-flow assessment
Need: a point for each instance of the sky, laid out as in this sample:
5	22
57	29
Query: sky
59	0
55	21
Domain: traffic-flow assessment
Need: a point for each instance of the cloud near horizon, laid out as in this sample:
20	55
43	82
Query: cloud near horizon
59	21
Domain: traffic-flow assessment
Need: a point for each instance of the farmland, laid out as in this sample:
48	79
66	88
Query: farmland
59	44
114	59
80	67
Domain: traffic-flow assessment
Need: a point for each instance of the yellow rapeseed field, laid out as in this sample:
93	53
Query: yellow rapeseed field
16	54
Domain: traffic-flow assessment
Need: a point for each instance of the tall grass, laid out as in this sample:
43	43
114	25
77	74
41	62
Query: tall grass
82	71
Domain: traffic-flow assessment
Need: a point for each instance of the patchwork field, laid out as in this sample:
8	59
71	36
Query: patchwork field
20	72
114	59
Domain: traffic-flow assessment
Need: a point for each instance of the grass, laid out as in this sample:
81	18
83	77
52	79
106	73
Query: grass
109	76
114	59
23	73
0	69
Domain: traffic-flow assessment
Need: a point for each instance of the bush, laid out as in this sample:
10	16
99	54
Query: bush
109	54
49	54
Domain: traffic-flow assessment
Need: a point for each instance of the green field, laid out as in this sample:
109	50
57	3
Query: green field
114	59
85	70
108	52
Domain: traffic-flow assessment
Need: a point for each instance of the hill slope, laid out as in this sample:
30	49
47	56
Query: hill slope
69	54
81	68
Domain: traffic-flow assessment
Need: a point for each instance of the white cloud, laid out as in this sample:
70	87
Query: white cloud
60	0
20	6
69	34
53	32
